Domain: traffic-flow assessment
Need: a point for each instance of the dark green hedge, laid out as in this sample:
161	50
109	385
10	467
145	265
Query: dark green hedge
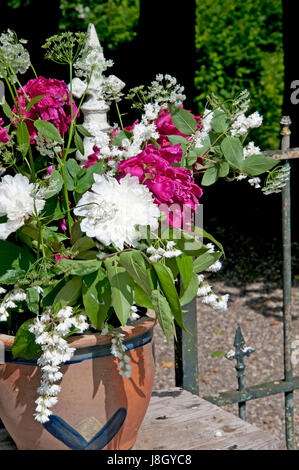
239	45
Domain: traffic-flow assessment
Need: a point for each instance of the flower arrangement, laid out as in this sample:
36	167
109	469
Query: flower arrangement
99	223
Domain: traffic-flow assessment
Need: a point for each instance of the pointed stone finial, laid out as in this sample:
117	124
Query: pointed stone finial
95	107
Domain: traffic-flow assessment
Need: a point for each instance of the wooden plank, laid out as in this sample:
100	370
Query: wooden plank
178	420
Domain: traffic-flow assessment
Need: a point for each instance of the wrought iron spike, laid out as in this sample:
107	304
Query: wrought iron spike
239	338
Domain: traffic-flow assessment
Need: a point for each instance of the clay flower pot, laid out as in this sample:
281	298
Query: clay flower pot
97	407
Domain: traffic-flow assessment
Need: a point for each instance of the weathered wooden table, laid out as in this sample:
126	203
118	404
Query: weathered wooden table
179	420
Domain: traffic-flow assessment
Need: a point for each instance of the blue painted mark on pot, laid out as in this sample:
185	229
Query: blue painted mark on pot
75	441
93	352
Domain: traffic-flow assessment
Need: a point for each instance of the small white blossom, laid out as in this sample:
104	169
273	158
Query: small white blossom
255	182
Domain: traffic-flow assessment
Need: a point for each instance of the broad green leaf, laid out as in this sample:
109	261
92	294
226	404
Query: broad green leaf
12	276
182	119
219	122
13	257
32	300
170	292
23	137
69	293
223	169
122	289
96	295
199	151
24	343
204	261
178	139
48	130
78	267
79	143
134	263
55	184
200	232
185	265
258	164
141	298
233	151
163	312
6	109
210	175
190	292
83	131
86	181
83	244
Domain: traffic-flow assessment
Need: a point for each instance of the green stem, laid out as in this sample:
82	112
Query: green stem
33	175
66	197
119	115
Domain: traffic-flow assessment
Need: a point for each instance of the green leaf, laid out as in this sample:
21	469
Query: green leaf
178	139
48	130
78	267
185	265
83	131
233	151
223	169
190	292
210	175
6	109
200	232
141	298
258	164
69	293
79	143
33	101
83	244
170	292
218	353
205	146
96	295
134	263
204	261
12	276
55	182
32	300
24	343
23	137
86	181
219	122
163	312
182	119
13	257
124	134
122	289
72	172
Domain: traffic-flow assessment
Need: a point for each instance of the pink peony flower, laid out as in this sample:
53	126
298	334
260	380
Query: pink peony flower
93	158
4	137
166	127
53	107
173	188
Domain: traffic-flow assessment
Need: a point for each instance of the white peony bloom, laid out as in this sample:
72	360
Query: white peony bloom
18	202
112	210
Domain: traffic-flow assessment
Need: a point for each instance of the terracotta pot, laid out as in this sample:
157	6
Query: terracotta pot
97	408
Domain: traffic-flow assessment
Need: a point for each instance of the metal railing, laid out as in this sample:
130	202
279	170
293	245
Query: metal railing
186	370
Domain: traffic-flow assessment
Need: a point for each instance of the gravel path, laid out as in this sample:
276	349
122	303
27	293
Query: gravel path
257	307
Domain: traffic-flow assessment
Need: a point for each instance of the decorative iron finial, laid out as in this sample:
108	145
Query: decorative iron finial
239	354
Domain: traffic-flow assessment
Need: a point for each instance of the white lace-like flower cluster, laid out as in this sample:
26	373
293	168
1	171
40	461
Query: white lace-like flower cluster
118	349
117	212
206	123
14	53
49	330
92	60
208	297
9	301
159	253
47	148
165	89
242	124
18	201
215	267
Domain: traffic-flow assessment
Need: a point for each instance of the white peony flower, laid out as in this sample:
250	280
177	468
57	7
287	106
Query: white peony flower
112	210
18	202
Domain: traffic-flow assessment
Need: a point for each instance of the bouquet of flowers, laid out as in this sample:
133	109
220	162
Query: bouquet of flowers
99	222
